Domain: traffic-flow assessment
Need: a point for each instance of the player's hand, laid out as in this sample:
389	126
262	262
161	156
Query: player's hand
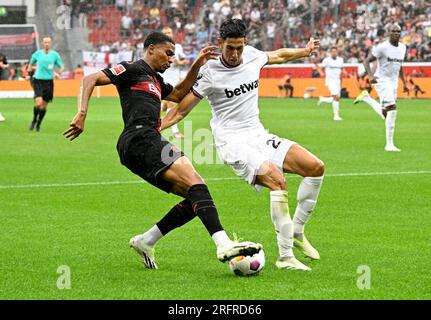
207	54
372	79
76	127
313	45
56	75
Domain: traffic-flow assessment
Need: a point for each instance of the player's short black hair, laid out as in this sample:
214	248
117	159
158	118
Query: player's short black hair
156	37
233	28
334	47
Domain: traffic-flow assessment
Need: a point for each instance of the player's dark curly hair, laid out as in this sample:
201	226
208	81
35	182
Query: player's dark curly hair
156	37
233	28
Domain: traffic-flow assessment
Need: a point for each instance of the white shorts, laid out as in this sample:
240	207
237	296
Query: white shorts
387	91
334	87
246	154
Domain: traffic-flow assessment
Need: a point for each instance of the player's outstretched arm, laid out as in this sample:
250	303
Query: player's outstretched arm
86	90
183	88
287	54
175	115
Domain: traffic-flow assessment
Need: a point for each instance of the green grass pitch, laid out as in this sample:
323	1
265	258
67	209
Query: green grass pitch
72	203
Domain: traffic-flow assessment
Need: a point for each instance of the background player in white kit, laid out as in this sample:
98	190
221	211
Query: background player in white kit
260	158
173	76
333	68
389	55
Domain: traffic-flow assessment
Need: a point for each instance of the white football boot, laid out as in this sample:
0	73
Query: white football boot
235	248
306	248
392	149
291	263
145	252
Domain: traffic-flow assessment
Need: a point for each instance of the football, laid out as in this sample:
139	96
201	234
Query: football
247	265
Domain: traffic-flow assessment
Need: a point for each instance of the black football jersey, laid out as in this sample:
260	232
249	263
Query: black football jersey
141	91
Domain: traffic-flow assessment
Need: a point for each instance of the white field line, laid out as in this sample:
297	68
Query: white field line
111	183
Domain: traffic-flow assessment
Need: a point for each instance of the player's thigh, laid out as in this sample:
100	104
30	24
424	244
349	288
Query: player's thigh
302	162
182	175
244	157
334	88
387	94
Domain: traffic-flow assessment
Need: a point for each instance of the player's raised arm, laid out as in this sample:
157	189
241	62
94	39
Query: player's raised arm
86	90
175	115
183	88
288	54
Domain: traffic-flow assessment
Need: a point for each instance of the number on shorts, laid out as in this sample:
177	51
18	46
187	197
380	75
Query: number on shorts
275	144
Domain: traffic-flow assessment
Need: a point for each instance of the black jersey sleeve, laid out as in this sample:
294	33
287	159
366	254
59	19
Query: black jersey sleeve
122	73
165	87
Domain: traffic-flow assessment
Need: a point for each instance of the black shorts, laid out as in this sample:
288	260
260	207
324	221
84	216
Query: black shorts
44	89
147	154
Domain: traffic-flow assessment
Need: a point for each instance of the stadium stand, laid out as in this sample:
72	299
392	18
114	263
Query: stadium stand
352	26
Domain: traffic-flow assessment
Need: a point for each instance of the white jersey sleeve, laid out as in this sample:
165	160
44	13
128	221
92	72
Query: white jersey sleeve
203	85
261	57
377	51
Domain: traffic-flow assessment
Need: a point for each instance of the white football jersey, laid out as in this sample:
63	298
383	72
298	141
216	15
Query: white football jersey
232	92
389	60
173	74
333	68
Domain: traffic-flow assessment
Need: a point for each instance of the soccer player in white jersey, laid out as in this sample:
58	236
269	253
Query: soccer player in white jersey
260	158
389	55
333	68
173	76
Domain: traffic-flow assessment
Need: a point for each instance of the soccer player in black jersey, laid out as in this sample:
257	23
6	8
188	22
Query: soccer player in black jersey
146	153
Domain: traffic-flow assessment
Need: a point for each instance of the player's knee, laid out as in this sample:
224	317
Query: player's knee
318	168
278	181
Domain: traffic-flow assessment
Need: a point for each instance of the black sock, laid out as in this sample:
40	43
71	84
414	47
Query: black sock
35	114
41	115
178	216
204	207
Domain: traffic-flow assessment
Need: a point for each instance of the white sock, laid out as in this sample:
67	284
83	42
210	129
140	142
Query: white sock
175	129
336	108
220	238
152	236
374	104
282	222
308	192
390	127
326	99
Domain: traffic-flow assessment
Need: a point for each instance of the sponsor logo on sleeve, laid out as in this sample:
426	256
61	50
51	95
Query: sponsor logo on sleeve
117	70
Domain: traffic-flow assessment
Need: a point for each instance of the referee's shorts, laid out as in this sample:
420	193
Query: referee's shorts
44	89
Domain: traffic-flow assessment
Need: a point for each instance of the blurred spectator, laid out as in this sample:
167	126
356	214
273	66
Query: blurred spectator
3	64
126	24
78	74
